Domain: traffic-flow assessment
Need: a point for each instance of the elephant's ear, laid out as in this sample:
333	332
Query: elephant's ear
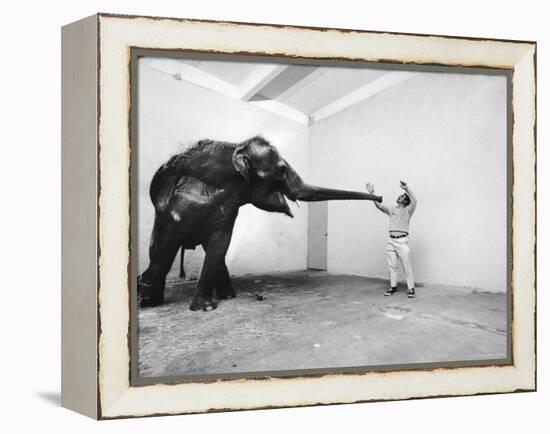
241	163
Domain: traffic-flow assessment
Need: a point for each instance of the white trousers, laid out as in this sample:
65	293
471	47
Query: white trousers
398	249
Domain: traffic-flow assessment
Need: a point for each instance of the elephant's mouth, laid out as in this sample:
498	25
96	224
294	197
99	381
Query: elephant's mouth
274	202
284	204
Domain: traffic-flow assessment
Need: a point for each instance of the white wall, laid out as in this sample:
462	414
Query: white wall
445	134
174	114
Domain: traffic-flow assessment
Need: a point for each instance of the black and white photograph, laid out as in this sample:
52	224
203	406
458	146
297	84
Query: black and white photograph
294	217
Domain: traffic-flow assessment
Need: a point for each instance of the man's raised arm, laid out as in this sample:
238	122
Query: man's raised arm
411	195
383	208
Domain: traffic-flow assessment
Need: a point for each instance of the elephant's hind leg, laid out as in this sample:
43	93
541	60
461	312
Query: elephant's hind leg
163	248
182	269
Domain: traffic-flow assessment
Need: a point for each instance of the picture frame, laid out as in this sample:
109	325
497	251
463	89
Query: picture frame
97	276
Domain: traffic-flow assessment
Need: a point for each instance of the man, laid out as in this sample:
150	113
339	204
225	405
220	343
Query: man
398	241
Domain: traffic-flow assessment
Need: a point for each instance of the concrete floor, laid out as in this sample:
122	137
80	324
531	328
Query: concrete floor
318	320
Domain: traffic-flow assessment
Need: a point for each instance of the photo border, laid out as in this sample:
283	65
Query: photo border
135	380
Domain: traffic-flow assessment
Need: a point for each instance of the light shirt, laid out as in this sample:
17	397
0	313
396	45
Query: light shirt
400	217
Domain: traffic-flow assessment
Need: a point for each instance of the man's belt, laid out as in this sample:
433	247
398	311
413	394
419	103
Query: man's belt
403	235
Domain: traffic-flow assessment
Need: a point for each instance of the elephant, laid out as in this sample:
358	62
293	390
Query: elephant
197	195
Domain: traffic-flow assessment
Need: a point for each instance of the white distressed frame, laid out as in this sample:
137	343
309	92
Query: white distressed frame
116	35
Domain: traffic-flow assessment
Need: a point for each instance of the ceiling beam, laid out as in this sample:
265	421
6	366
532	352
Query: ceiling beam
256	81
300	84
259	78
282	109
183	71
382	83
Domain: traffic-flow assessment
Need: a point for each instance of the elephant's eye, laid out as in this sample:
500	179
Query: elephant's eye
281	171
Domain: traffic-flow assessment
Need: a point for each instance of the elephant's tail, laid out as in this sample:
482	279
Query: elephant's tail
162	184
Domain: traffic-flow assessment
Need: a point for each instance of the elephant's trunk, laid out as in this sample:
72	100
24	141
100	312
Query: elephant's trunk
297	189
313	193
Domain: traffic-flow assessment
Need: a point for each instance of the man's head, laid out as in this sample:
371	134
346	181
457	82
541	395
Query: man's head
404	200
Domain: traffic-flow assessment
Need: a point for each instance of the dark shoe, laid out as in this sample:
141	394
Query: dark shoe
410	293
390	291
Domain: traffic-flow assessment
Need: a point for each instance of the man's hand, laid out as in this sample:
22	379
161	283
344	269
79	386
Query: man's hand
403	185
370	188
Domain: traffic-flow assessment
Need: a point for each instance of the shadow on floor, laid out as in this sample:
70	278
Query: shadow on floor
52	398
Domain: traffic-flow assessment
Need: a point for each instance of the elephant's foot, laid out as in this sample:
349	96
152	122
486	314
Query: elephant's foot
225	293
151	301
202	303
150	295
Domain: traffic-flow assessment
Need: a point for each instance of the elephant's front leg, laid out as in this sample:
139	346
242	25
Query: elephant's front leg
213	270
224	288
